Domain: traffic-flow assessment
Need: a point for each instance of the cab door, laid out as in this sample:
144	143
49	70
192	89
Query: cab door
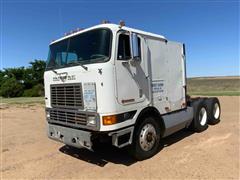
131	81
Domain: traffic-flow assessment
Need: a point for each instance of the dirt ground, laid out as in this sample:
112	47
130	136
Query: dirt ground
26	151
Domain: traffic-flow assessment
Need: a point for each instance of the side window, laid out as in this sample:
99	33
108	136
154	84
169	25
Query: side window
123	47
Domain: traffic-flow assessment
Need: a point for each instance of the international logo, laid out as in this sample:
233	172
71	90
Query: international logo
64	77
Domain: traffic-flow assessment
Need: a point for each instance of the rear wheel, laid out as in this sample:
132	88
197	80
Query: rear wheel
200	116
146	139
213	110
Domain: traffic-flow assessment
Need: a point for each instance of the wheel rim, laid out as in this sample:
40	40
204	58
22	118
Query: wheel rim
203	116
147	137
216	111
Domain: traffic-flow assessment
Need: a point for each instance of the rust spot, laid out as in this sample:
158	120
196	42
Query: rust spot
127	100
184	105
167	109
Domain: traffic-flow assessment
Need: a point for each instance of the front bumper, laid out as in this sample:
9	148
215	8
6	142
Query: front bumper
73	137
84	139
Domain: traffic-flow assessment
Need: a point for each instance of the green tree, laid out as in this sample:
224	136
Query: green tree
38	68
2	74
16	73
11	88
13	81
35	91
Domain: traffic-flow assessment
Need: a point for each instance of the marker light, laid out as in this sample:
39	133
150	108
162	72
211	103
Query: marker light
105	22
73	31
109	120
121	23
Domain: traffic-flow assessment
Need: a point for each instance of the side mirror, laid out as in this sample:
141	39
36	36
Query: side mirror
135	49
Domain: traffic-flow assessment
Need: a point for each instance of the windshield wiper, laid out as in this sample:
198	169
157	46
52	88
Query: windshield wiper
54	71
78	63
51	68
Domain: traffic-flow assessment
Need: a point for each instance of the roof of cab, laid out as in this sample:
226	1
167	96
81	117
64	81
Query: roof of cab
113	27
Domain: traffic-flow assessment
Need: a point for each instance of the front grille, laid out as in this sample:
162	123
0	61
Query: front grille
67	96
68	117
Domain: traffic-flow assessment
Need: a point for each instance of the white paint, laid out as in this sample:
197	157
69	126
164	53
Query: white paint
161	62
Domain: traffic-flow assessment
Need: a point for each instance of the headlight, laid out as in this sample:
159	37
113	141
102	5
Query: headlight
91	120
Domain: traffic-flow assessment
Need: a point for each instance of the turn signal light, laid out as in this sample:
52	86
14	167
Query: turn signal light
109	120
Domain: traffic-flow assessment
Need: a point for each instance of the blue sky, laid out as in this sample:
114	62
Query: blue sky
210	30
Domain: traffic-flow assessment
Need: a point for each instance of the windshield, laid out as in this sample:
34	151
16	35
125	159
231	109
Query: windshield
89	47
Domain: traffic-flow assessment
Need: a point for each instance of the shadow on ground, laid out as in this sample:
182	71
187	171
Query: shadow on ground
108	153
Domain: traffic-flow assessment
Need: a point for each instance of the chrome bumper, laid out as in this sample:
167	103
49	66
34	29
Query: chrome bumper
70	136
83	139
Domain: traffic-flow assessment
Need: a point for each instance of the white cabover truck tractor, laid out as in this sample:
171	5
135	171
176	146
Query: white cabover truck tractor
123	85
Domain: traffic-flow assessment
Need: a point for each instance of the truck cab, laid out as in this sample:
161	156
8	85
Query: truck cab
112	82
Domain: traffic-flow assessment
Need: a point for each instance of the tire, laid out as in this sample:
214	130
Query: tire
199	122
146	139
213	110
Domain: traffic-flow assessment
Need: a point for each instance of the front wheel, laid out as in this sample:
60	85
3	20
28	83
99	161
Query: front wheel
146	139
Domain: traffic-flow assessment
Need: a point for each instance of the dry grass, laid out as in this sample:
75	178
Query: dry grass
214	86
22	100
